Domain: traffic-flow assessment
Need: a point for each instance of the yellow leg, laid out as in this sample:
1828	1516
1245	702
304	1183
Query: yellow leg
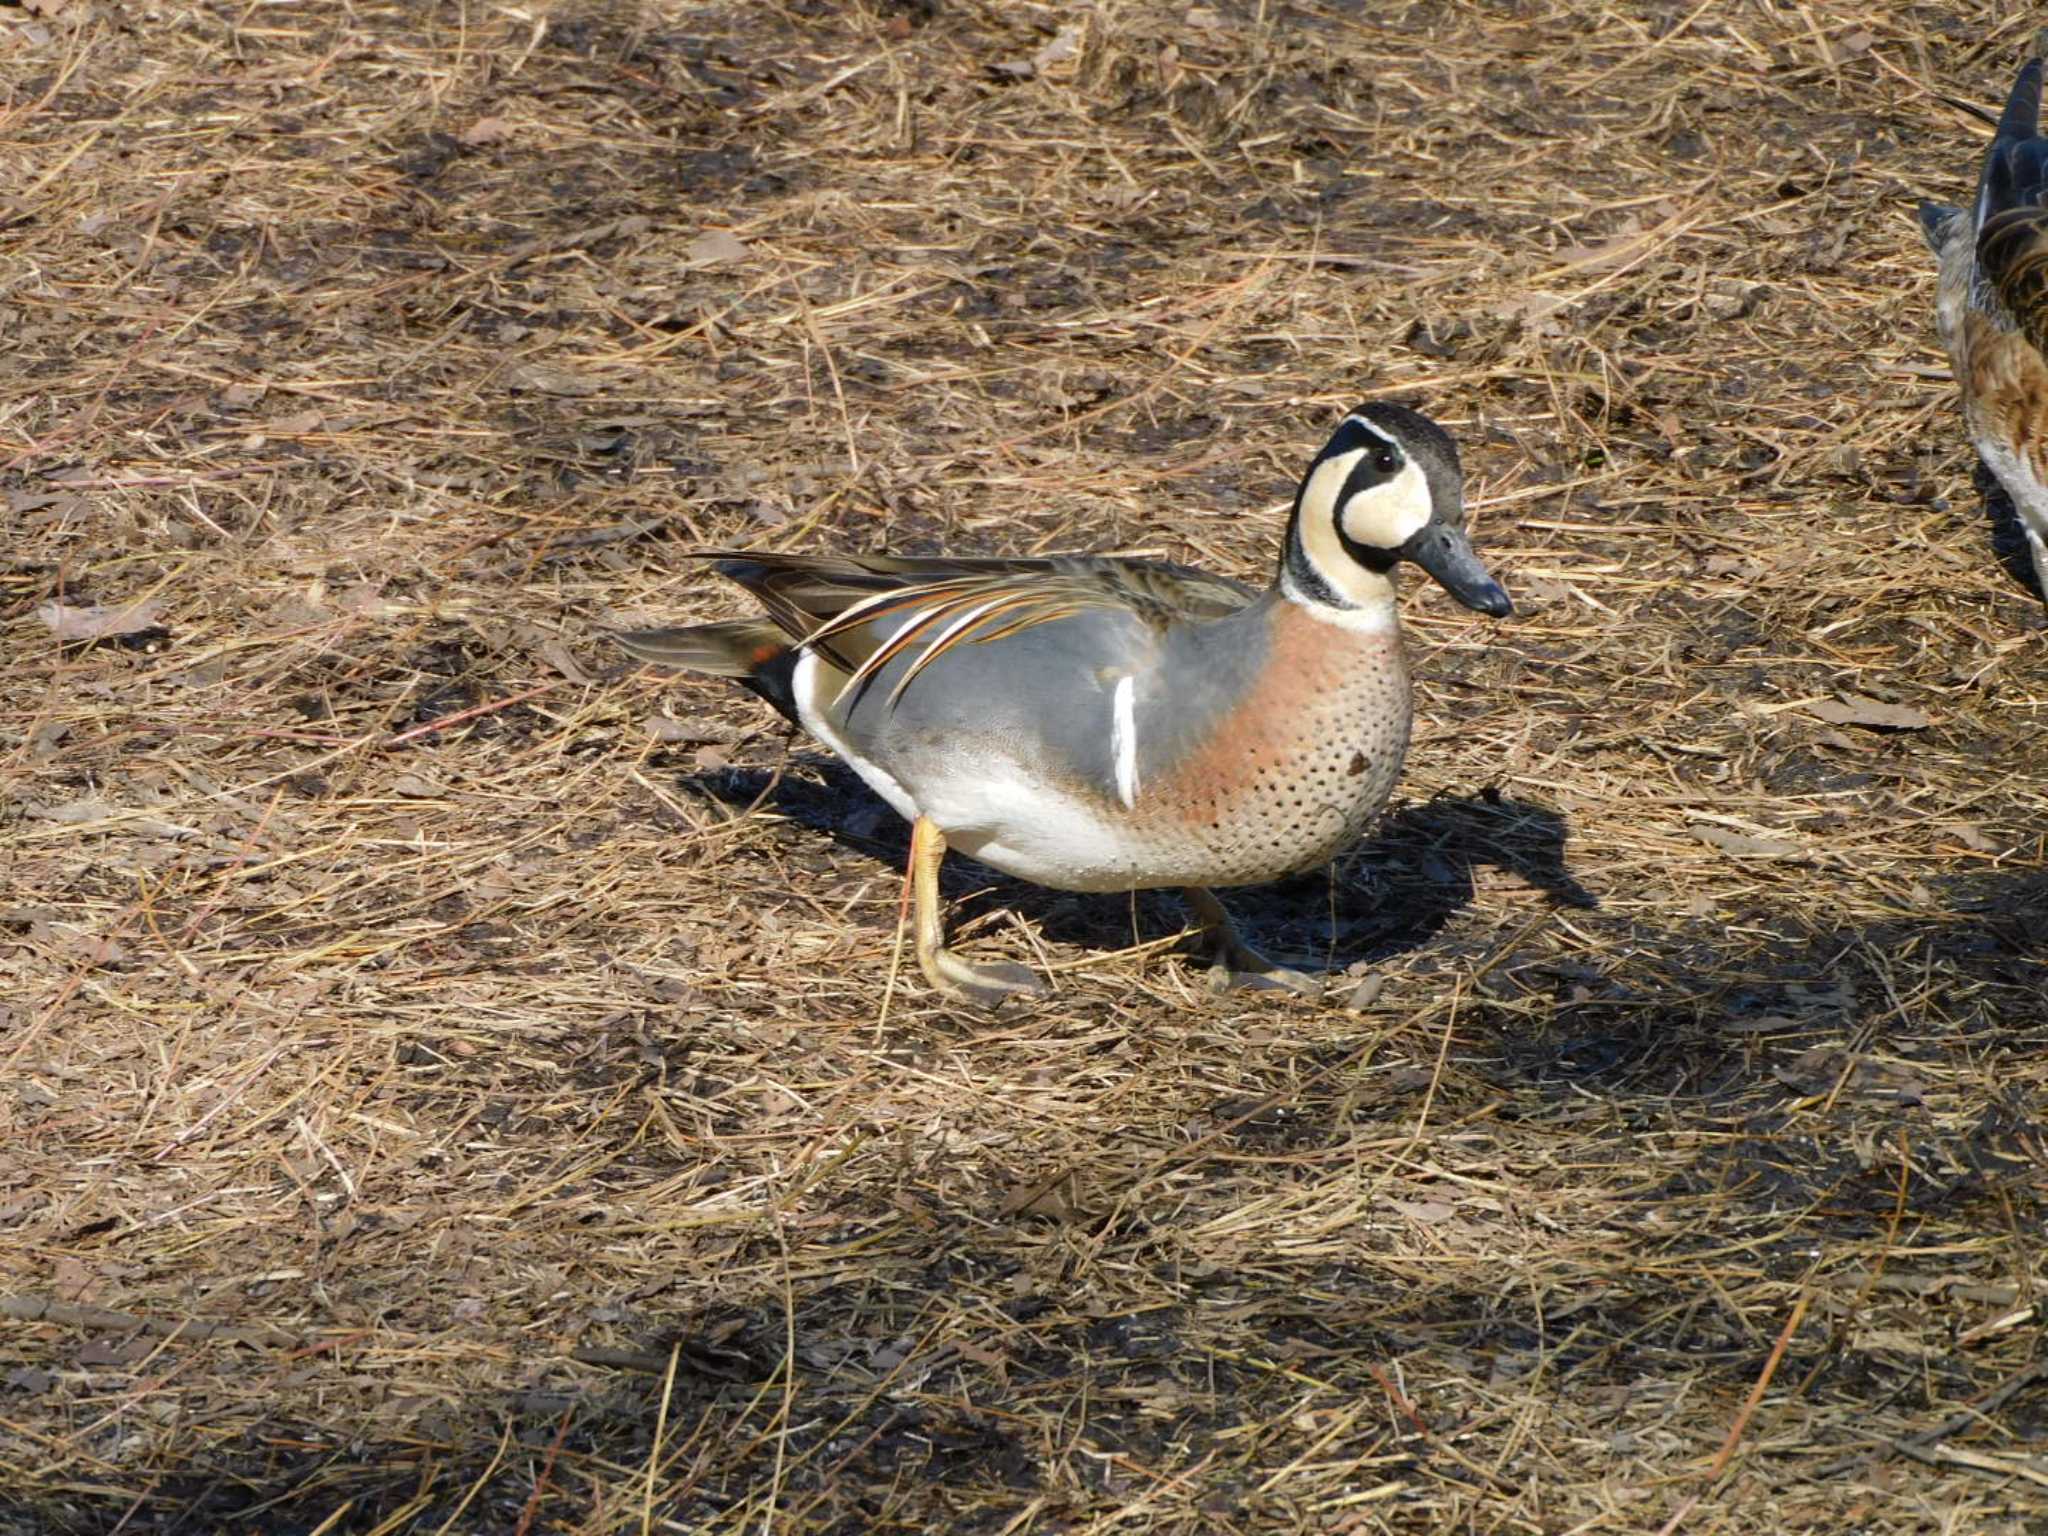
988	983
1231	960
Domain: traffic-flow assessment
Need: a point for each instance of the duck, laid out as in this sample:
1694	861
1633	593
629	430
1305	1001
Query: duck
1101	723
1991	306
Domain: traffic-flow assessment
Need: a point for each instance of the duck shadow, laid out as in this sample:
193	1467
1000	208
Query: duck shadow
1395	892
1419	868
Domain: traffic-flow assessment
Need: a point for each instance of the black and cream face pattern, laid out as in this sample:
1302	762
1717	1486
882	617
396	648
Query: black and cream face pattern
1374	483
1385	475
1385	488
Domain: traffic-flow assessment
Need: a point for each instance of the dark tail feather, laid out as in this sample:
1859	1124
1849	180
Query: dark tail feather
2021	118
716	650
755	655
2012	173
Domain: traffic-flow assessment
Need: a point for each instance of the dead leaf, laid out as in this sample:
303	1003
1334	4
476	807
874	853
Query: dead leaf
45	7
1733	565
35	501
1052	1197
717	247
1760	1024
94	622
1742	846
114	1351
1534	307
1427	1213
547	379
487	130
690	730
1855	709
556	655
415	787
1849	45
75	813
1064	46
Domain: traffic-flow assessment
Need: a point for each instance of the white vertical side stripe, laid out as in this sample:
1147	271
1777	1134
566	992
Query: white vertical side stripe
1123	738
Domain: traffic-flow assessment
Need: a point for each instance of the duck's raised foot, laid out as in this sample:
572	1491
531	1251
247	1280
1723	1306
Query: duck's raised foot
986	984
1234	964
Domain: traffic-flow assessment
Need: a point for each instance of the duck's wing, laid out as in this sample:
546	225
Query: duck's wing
862	612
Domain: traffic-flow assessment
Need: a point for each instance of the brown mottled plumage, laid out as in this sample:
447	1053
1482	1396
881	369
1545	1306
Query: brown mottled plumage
1991	306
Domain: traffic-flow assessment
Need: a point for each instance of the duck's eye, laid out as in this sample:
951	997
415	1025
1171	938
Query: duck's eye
1384	461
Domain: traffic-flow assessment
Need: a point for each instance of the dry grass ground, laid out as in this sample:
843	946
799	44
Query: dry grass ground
453	1084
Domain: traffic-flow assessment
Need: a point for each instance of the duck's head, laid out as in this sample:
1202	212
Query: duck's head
1385	488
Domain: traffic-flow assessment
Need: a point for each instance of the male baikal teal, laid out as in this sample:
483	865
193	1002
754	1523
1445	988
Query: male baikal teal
1102	724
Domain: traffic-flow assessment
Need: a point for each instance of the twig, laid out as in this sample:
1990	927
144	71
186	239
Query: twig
491	707
40	1309
1409	1412
1749	1406
1919	1447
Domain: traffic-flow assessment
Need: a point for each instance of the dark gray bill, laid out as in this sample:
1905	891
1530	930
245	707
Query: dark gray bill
1446	554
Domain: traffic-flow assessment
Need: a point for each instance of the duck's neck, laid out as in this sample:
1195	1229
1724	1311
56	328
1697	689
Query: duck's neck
1329	582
